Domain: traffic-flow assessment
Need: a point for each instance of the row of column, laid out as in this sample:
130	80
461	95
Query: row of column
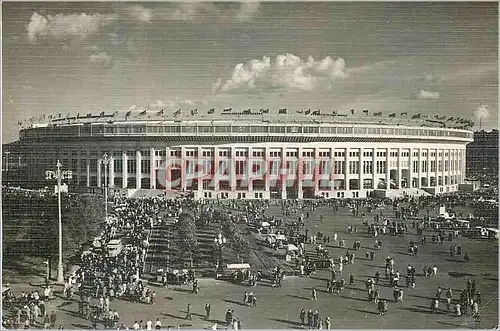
346	176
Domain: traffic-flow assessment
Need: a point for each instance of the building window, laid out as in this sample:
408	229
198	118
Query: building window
240	167
324	154
257	153
381	167
339	167
433	166
424	166
367	167
307	167
353	167
415	166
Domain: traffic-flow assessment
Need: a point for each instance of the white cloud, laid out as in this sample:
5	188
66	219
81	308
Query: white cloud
101	58
287	71
426	95
188	11
176	103
137	13
429	77
94	48
247	11
72	26
481	112
183	12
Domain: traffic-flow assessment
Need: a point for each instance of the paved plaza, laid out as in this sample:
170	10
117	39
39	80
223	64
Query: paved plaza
280	307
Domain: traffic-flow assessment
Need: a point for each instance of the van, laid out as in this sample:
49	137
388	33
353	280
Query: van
115	247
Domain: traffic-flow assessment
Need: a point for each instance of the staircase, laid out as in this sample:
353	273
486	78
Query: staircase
163	251
397	193
158	254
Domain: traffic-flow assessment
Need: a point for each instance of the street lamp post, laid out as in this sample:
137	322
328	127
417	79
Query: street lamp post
7	161
105	161
59	176
220	241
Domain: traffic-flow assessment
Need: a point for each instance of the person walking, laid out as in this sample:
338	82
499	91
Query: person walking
314	295
188	312
53	319
157	324
208	308
302	316
328	323
434	305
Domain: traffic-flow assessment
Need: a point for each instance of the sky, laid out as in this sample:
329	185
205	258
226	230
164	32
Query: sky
70	57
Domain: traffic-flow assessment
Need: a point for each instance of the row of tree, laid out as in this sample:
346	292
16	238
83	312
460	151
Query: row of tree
186	232
238	242
82	220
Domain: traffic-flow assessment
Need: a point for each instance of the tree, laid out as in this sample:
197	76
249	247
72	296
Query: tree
239	243
186	230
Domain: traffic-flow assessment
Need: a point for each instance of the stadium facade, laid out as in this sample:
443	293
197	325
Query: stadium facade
248	157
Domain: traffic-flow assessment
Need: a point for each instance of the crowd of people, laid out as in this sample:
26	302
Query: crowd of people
106	274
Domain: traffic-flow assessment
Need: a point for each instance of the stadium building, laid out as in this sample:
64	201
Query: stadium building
248	156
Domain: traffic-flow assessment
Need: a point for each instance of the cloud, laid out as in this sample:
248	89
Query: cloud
481	112
101	58
62	27
429	77
183	12
137	13
287	72
176	103
247	11
94	48
189	11
426	95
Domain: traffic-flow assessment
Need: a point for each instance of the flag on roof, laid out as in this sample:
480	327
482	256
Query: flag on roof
194	111
115	113
282	111
392	115
159	112
143	112
211	110
101	114
247	111
316	112
300	111
89	115
377	114
404	114
415	116
366	111
127	114
307	112
225	110
334	113
264	111
177	112
352	111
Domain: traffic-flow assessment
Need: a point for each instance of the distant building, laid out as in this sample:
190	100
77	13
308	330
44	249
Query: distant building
247	156
482	156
